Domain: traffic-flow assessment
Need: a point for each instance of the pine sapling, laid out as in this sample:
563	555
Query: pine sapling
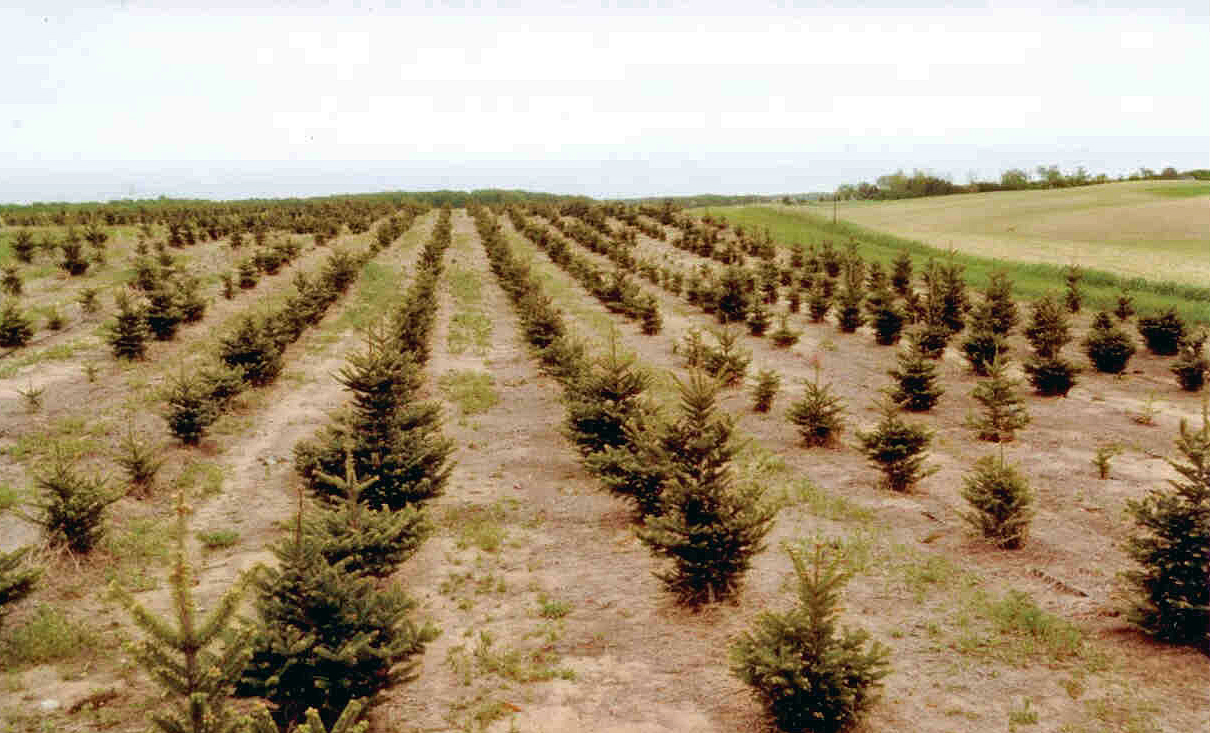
140	460
810	674
11	282
897	447
1108	347
1191	364
709	528
182	654
73	515
818	415
1125	307
1073	298
127	335
1164	333
1103	456
16	328
783	337
1003	410
765	389
1001	502
916	387
1171	545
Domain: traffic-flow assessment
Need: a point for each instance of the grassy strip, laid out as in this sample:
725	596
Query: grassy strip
1030	280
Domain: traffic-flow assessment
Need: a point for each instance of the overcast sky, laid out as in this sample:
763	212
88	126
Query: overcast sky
607	99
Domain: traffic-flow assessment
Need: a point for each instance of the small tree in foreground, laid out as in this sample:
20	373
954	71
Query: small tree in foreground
181	657
765	389
16	328
709	528
1163	333
1172	546
897	447
811	675
1001	501
127	335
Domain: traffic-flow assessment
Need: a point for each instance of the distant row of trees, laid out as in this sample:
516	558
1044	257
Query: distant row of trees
899	185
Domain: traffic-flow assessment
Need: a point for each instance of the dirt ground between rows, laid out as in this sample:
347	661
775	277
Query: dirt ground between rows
552	620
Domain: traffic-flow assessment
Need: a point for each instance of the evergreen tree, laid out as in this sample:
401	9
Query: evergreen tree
1052	377
917	389
818	414
733	299
758	318
1107	345
901	273
819	303
23	246
1125	307
1172	547
1003	411
898	448
395	439
73	262
11	282
74	514
784	337
1002	316
1048	331
1072	297
1001	500
708	529
326	636
982	344
811	675
127	335
16	580
602	400
179	654
139	460
251	347
191	408
1191	365
765	389
1163	333
15	327
886	317
361	539
163	312
262	722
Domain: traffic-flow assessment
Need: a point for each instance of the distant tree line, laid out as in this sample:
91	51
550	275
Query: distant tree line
899	185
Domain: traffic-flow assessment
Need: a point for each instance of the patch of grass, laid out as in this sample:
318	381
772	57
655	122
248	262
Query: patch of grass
11	496
140	547
1012	629
473	392
201	478
551	608
1181	190
465	285
58	352
218	539
479	526
47	635
374	293
925	575
519	665
470	330
819	503
72	437
1023	716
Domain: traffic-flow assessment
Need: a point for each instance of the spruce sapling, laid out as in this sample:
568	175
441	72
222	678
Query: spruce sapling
1171	544
1001	502
810	674
897	447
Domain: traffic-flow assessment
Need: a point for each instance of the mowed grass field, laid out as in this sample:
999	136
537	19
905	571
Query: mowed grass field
1151	237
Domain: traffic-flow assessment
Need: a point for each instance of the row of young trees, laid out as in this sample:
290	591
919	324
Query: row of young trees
676	472
330	634
249	356
615	290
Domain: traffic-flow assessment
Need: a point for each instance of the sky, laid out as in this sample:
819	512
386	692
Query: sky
609	99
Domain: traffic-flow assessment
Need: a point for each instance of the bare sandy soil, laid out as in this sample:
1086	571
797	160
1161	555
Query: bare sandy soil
551	618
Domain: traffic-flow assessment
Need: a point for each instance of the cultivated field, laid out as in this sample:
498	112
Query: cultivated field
1158	230
550	615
